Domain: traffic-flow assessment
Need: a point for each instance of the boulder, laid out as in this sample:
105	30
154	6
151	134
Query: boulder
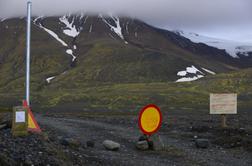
202	143
157	142
142	145
111	145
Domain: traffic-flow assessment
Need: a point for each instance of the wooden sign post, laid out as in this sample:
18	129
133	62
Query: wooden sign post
223	121
20	121
223	104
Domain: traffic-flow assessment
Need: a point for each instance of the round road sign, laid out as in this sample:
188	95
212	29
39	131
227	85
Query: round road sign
150	119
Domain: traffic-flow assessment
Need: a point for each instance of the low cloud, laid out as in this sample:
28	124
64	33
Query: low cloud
189	14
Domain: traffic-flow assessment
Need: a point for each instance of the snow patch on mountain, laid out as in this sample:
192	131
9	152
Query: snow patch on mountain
192	70
189	79
192	74
53	34
37	18
70	52
233	48
3	19
115	28
70	28
49	79
182	73
90	28
208	71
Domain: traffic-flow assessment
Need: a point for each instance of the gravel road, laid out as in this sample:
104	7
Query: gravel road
179	142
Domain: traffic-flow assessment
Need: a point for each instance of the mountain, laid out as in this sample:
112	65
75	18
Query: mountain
73	52
233	48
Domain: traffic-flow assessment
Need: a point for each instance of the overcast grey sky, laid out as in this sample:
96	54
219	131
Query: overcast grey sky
230	19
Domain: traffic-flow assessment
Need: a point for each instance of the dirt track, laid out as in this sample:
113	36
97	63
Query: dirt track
178	139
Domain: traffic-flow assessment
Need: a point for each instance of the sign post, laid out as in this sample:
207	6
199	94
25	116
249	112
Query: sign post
28	43
19	122
150	119
32	123
223	104
223	121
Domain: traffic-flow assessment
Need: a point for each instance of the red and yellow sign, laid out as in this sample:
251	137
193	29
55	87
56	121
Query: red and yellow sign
32	123
150	119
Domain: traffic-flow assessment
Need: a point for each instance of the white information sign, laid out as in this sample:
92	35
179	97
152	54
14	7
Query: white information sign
225	103
20	116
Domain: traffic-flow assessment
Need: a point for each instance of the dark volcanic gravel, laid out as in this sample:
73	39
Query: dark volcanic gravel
30	150
71	140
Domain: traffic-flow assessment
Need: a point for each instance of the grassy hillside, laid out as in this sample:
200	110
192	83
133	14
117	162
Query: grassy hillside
109	74
132	96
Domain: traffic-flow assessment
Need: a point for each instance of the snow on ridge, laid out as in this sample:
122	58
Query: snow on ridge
182	73
193	70
188	79
3	19
208	71
190	70
85	19
244	50
90	28
49	79
117	28
70	28
53	34
70	52
37	18
231	47
197	74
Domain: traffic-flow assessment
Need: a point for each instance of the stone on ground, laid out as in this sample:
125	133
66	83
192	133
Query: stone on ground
142	145
157	142
111	145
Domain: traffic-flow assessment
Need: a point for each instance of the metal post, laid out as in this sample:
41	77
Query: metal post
223	121
28	41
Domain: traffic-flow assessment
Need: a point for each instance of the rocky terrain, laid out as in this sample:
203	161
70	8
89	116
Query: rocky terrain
188	139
